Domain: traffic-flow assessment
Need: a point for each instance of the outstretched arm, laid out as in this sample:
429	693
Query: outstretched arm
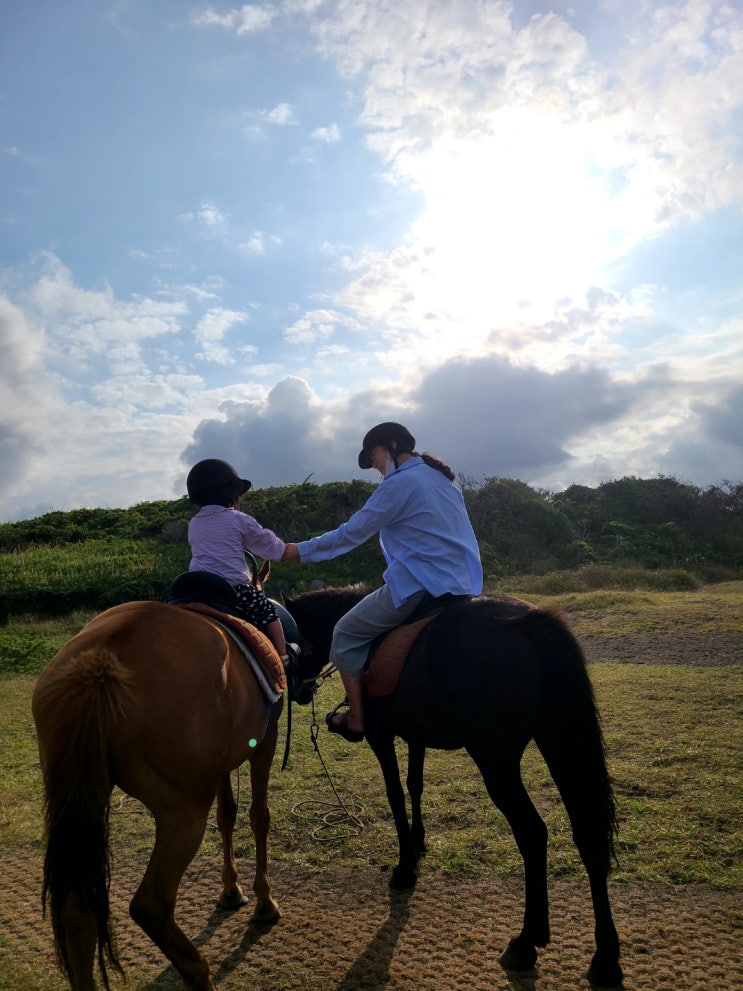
291	553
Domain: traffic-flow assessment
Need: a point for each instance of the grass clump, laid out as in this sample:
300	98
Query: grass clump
28	643
593	577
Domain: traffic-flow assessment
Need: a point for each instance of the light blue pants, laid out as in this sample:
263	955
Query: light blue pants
354	632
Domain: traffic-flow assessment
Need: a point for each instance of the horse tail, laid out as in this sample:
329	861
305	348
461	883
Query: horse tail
75	704
570	738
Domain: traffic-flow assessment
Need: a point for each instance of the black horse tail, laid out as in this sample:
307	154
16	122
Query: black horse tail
73	710
570	738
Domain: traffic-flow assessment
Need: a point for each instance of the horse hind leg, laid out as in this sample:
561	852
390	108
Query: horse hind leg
178	837
502	777
267	910
232	896
586	792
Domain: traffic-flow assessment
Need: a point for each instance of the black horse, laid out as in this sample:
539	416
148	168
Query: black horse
489	674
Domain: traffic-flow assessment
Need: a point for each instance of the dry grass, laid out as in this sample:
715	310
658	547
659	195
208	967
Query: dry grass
714	608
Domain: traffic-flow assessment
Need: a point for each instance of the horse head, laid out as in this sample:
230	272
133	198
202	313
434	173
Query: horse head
316	614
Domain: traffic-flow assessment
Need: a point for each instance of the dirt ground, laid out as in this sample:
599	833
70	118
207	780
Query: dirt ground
347	932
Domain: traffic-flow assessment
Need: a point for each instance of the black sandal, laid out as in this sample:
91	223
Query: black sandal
341	727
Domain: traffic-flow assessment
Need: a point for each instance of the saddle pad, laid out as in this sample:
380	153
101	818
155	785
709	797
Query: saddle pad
383	672
254	645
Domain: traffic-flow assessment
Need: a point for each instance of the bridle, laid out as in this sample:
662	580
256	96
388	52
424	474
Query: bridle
302	691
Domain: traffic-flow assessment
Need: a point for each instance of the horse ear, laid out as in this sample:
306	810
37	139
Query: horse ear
264	572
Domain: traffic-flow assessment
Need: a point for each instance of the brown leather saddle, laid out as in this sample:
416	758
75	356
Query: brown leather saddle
388	653
214	597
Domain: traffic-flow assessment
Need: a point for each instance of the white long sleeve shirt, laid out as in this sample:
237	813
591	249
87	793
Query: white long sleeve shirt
219	537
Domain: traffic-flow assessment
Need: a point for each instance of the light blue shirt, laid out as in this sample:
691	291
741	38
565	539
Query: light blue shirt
424	532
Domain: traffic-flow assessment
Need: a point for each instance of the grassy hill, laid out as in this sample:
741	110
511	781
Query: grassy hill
632	533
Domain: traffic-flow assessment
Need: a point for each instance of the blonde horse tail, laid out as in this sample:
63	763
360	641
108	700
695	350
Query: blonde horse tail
75	704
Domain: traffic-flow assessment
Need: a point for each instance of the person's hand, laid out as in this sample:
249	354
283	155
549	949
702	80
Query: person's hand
291	553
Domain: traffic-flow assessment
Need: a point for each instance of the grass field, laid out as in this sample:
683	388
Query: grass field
673	736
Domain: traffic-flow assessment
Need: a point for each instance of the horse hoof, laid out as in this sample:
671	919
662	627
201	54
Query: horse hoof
518	957
231	902
605	974
402	878
266	915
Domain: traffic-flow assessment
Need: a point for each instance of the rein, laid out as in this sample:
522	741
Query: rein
296	687
331	816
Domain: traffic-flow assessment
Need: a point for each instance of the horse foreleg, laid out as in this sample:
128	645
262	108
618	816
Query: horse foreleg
502	777
232	894
405	873
177	839
266	909
416	759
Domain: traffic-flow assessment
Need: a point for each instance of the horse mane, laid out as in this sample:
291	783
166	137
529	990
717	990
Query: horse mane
328	604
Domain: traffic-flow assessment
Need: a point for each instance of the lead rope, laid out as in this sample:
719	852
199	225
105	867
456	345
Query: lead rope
336	820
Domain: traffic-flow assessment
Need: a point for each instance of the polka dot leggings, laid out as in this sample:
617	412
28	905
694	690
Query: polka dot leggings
253	602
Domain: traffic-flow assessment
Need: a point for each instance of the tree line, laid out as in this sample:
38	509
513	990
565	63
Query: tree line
649	523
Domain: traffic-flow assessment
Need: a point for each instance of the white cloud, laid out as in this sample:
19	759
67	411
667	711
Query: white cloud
21	395
329	135
318	324
211	216
247	19
255	245
210	331
282	115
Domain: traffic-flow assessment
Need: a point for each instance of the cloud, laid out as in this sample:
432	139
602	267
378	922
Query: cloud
208	216
708	443
312	326
21	394
210	331
328	135
501	419
556	131
723	421
95	401
486	416
248	19
256	243
282	115
278	440
84	327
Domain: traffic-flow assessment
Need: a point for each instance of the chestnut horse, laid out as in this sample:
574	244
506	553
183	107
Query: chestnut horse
488	675
161	702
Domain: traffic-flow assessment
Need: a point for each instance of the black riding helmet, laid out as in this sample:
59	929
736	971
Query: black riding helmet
385	434
215	482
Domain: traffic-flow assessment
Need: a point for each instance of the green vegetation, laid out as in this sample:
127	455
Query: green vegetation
673	740
633	533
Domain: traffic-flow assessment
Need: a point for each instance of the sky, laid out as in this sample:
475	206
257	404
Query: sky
252	232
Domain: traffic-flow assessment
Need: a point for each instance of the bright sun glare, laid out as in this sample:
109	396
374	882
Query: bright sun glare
521	218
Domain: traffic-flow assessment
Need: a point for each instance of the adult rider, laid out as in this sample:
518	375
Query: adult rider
428	544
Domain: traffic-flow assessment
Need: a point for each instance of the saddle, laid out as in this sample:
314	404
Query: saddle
213	596
389	652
